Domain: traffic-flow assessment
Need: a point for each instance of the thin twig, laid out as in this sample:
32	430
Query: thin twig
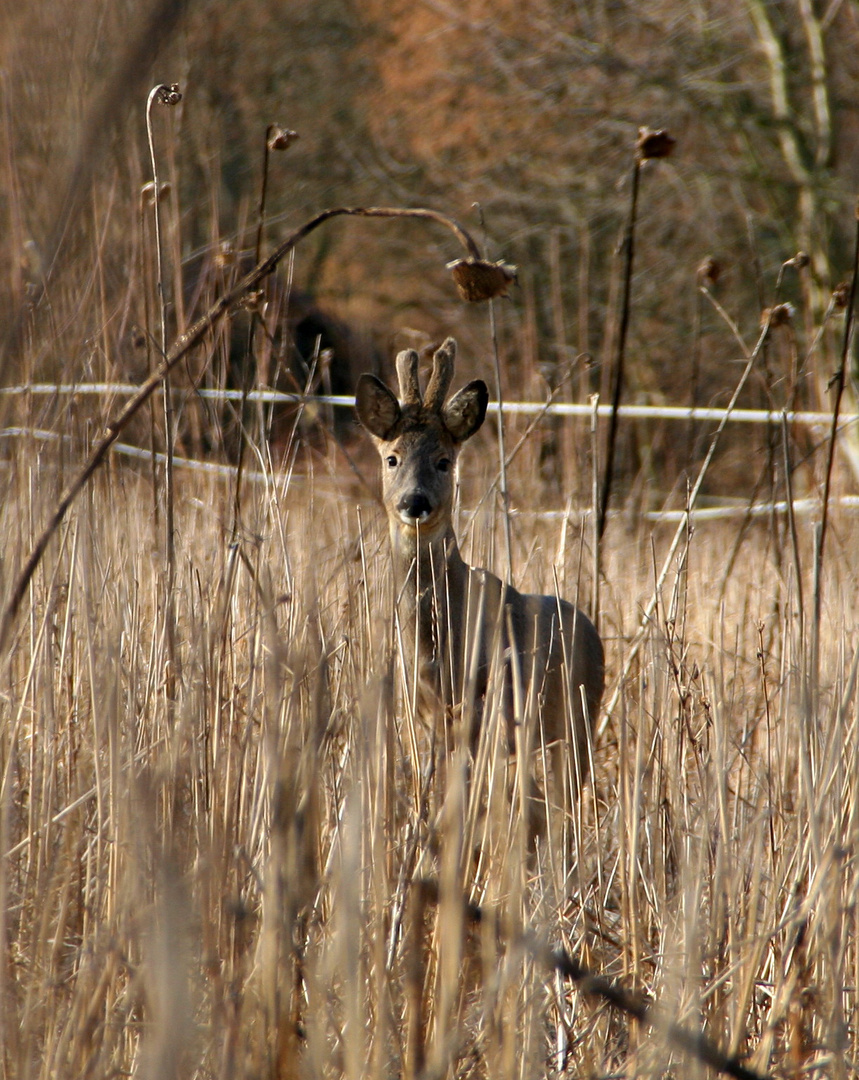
649	146
791	518
617	375
183	345
166	95
147	339
503	489
275	136
502	471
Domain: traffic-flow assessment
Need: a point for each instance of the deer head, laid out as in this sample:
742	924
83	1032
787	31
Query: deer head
419	438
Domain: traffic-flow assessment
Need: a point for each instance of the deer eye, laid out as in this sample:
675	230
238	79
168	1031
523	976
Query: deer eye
443	464
392	461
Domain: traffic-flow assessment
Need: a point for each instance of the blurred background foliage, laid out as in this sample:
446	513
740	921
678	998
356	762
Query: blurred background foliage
517	118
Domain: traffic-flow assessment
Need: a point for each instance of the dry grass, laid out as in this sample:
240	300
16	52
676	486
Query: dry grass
230	850
223	885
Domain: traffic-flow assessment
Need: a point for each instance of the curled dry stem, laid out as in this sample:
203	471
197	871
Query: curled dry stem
169	96
181	346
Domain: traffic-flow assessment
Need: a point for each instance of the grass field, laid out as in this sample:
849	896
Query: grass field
227	852
230	849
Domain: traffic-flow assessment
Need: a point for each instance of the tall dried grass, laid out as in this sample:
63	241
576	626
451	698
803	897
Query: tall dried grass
228	885
230	850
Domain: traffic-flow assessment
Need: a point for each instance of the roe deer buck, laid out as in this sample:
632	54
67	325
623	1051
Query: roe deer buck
455	617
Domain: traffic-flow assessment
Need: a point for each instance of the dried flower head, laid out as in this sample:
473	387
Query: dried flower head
477	279
169	95
281	138
225	255
254	301
799	261
841	295
147	193
32	263
708	272
778	315
654	144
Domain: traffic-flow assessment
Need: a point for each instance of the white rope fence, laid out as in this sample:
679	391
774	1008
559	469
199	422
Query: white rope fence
523	408
739	509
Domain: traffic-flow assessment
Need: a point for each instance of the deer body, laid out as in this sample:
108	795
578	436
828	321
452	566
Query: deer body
456	618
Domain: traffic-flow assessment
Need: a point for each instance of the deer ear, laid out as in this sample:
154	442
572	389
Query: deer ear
377	408
466	410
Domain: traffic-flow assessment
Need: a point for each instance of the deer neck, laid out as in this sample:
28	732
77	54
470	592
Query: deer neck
431	582
426	562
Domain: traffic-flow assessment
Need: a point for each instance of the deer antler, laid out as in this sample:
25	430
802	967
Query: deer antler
407	373
442	373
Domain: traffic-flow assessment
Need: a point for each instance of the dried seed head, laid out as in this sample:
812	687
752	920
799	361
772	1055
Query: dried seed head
225	255
147	193
799	261
779	315
253	300
477	279
654	144
841	295
708	272
169	95
281	138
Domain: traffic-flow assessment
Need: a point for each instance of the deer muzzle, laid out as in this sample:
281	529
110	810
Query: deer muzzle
414	508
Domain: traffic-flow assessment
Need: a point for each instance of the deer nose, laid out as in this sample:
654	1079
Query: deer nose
415	506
